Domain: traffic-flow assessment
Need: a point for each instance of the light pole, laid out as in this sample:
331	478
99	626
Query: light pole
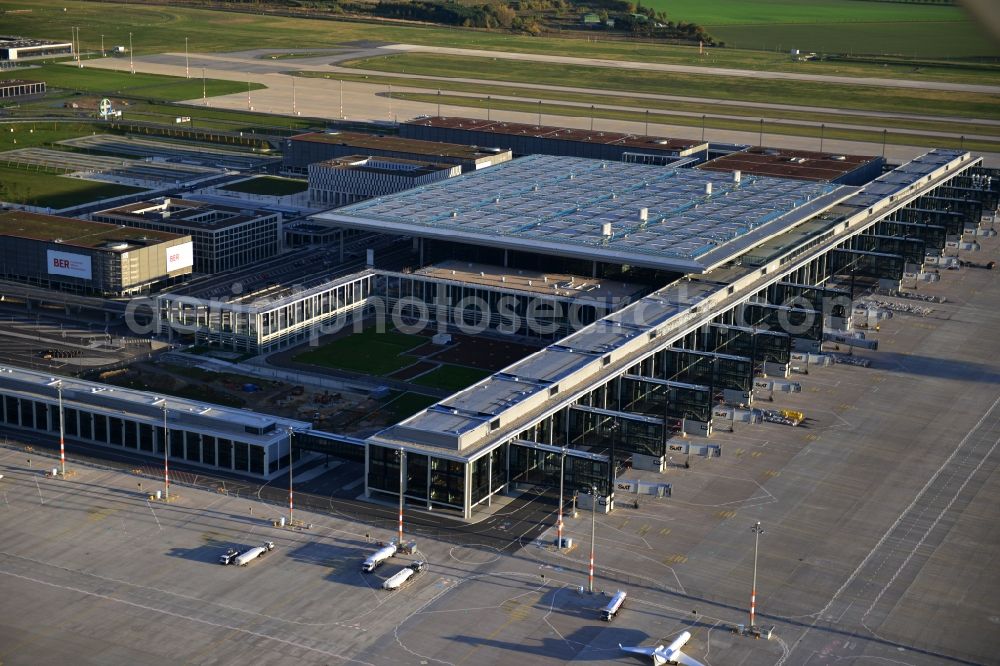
390	101
703	127
166	450
822	131
402	454
291	501
131	61
62	432
591	117
187	68
439	104
761	141
488	101
539	113
341	99
294	112
249	104
757	531
102	46
204	88
559	523
647	122
593	533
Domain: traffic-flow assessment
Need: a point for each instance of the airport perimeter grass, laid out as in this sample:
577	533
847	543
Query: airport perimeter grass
806	93
836	26
107	83
269	186
30	134
451	377
368	352
161	28
28	186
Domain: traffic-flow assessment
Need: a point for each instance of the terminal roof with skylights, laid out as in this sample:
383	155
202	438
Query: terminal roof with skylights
612	212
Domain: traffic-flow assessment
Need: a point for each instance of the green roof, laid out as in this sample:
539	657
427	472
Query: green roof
78	233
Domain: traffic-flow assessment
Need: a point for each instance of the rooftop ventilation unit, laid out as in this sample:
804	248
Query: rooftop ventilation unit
606	229
736	176
708	189
644	214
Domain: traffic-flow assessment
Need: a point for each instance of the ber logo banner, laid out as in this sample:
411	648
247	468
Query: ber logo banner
71	265
180	256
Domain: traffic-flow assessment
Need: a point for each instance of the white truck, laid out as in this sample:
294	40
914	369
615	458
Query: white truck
228	557
376	559
252	554
398	579
609	612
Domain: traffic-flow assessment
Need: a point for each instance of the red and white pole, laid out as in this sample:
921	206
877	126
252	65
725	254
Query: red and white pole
62	435
166	454
402	453
753	605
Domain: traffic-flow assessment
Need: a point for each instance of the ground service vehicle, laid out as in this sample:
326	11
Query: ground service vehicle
398	579
376	559
608	612
252	554
229	556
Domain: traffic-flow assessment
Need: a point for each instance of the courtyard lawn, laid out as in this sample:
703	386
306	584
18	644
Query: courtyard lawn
269	186
451	377
369	352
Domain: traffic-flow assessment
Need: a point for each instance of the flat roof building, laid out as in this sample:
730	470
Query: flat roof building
19	48
201	434
20	89
800	165
610	213
89	257
525	139
225	237
346	180
305	149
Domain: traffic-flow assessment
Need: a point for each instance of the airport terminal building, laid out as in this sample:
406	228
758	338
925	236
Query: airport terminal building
721	278
90	257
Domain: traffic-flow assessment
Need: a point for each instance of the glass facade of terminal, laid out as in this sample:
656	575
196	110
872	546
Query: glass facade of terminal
186	445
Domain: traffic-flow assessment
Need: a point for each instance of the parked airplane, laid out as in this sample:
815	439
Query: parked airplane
671	654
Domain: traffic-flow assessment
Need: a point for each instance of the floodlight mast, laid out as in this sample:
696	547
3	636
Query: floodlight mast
757	531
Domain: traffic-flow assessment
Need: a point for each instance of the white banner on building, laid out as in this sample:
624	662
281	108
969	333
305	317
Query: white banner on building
72	265
180	256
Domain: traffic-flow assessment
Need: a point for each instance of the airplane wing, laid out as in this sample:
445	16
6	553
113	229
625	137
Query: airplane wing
685	660
647	651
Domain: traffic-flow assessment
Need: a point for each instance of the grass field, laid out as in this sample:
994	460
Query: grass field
158	29
31	133
771	12
868	98
836	26
451	377
269	186
911	39
368	352
104	82
27	186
